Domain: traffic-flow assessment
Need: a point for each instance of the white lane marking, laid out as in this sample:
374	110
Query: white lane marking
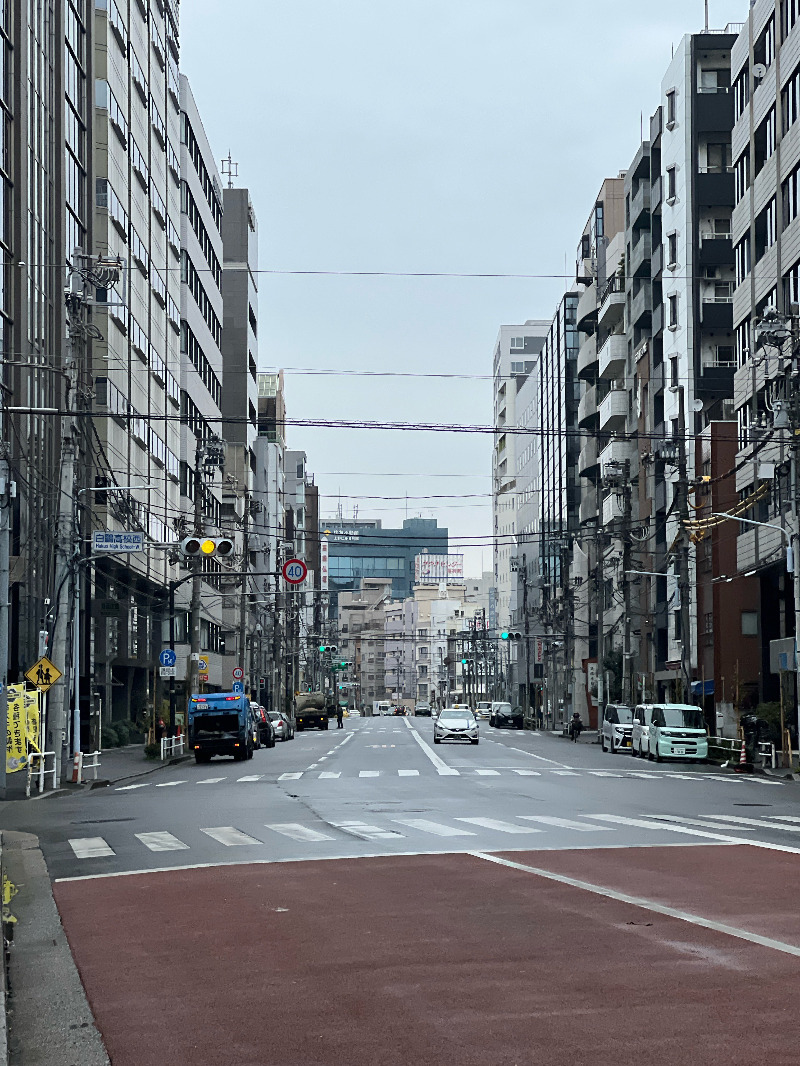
641	823
498	826
367	832
330	773
161	842
784	818
313	766
322	758
604	773
369	773
211	780
541	758
425	825
488	773
760	823
90	847
566	823
230	837
565	773
127	788
703	823
639	773
297	831
526	773
331	752
250	777
169	784
648	905
441	766
291	777
408	773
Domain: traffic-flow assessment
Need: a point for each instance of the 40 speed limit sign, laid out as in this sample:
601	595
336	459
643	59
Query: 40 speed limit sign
295	571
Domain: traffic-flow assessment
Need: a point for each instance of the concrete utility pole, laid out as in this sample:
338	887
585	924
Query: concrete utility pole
242	649
599	607
6	493
627	650
684	589
526	636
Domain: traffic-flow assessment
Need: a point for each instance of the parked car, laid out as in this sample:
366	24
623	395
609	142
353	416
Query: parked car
669	730
282	724
263	727
617	728
504	715
456	724
422	710
483	709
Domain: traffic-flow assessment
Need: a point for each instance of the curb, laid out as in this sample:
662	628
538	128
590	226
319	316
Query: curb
87	786
3	975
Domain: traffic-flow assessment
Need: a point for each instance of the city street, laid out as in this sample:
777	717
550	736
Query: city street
459	886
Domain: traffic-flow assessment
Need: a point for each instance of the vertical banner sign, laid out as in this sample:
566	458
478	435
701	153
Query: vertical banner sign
33	719
323	565
16	749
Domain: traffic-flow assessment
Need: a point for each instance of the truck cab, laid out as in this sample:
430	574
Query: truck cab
220	723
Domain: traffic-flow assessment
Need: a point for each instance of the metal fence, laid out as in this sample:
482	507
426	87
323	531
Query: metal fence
171	747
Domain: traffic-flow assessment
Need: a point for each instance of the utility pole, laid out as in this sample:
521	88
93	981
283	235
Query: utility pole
683	547
599	607
628	693
526	636
242	649
6	493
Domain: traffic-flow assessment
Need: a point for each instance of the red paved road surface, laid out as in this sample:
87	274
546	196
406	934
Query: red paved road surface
445	960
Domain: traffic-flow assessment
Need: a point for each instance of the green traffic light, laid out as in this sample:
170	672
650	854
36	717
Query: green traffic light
464	662
322	647
342	665
504	636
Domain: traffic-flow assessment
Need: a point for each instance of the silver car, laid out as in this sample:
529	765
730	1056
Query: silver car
283	726
455	724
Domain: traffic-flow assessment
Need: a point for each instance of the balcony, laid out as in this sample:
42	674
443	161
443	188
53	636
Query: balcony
715	382
587	408
588	508
657	261
587	308
640	256
717	313
587	358
656	194
612	509
612	303
715	250
612	356
640	205
613	411
713	112
715	189
587	460
616	454
642	305
658	319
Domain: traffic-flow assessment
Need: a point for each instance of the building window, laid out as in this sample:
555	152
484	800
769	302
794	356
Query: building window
790	191
790	100
749	623
766	224
764	141
672	304
673	371
791	287
790	13
517	344
672	184
764	48
741	175
672	250
741	91
742	257
672	109
743	342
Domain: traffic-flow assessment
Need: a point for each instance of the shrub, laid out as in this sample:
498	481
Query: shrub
123	731
152	751
109	738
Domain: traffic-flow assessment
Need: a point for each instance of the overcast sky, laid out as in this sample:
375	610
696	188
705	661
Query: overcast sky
465	136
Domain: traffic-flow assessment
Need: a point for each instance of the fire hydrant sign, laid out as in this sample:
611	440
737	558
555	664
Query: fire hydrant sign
117	543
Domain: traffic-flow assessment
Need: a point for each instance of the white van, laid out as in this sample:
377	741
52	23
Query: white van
669	731
615	733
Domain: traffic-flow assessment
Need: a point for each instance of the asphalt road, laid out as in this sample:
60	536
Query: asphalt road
380	899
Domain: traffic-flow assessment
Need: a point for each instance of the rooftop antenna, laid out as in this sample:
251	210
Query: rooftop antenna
230	170
706	16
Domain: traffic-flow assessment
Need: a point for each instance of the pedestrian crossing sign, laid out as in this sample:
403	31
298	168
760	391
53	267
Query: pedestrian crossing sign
43	674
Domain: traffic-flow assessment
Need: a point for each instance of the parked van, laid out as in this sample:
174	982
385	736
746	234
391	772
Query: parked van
615	732
669	731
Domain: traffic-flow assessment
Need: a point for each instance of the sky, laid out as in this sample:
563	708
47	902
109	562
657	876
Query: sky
444	136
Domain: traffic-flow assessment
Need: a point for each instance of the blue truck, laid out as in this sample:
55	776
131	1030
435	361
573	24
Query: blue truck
221	723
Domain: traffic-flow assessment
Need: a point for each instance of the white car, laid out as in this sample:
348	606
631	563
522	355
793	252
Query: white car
455	724
617	727
483	709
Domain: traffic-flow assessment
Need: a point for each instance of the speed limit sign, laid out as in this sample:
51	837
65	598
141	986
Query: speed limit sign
295	571
238	673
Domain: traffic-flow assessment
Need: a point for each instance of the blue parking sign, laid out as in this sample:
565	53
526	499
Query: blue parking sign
238	687
167	657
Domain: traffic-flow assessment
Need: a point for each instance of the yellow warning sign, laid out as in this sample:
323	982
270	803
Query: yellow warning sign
43	674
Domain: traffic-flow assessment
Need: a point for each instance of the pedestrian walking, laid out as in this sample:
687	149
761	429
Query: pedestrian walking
340	718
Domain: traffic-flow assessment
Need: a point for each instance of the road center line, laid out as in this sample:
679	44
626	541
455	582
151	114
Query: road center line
441	766
647	904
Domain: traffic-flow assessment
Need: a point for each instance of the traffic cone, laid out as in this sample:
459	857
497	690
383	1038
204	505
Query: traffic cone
742	767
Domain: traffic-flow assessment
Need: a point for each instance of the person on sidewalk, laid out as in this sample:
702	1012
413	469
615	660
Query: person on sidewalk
340	718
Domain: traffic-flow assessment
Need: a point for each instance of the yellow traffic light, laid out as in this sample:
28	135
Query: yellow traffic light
208	546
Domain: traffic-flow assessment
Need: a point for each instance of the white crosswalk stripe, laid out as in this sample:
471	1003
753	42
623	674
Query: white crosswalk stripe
526	773
90	847
291	777
566	823
604	773
488	773
161	842
703	823
425	825
761	823
251	777
297	831
367	832
170	784
784	818
230	837
330	773
408	773
499	826
211	780
565	773
369	773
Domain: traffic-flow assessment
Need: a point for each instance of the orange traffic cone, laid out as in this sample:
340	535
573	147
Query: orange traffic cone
742	760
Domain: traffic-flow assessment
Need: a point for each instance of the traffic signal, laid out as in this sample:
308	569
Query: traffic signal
205	547
511	634
463	662
322	647
343	665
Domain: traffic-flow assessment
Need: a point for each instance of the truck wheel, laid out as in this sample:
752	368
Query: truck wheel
201	757
300	729
327	723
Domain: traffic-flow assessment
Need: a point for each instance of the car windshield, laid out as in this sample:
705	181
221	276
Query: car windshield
624	715
275	716
455	716
501	708
684	717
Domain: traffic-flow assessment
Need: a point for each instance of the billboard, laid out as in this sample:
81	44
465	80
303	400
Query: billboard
323	564
431	569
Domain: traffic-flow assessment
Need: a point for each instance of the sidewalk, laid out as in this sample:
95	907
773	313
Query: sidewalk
122	764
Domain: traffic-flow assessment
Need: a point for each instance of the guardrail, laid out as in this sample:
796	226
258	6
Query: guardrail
730	749
42	771
171	747
93	765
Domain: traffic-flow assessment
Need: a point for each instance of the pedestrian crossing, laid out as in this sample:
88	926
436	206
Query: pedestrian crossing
314	773
467	831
